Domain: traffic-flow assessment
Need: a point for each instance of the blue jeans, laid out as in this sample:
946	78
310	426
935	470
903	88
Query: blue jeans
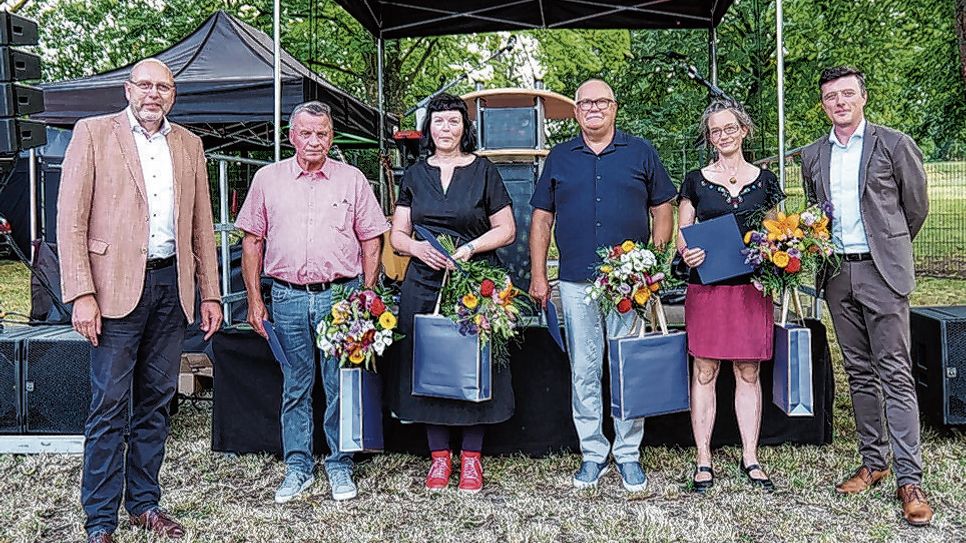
587	328
295	314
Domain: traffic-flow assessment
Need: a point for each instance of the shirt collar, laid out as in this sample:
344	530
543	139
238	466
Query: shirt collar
298	172
136	126
858	134
620	138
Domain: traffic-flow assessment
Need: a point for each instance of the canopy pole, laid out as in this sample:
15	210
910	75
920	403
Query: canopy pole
713	55
277	76
780	53
32	169
383	184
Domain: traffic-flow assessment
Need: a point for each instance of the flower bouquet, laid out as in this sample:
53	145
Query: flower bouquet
361	325
628	275
789	248
481	299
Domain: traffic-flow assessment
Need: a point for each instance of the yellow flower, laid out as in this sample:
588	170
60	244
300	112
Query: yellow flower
642	296
627	246
471	301
387	320
748	237
338	318
780	259
357	357
606	268
477	319
783	227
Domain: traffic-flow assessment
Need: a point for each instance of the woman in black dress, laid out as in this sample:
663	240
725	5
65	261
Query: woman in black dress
452	192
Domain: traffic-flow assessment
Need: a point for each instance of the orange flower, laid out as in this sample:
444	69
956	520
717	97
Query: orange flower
783	227
780	259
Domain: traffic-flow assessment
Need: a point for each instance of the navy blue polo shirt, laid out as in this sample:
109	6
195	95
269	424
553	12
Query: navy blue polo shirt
600	200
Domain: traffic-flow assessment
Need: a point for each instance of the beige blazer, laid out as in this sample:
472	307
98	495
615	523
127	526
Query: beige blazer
102	217
892	198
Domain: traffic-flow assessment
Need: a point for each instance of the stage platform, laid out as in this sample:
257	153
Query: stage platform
248	384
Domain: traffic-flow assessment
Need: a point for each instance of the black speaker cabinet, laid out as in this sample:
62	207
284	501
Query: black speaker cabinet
15	344
519	180
56	383
939	362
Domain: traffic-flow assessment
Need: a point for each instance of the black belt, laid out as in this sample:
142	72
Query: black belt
158	263
314	287
855	257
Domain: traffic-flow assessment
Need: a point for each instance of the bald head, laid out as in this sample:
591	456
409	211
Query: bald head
596	110
150	93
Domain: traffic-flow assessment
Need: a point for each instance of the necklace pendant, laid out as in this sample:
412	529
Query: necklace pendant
733	180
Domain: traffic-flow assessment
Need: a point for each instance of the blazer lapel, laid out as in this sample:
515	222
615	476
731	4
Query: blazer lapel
125	141
178	171
868	145
825	167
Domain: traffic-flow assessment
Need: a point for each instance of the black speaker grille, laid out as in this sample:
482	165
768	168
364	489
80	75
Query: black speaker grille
956	370
57	384
9	387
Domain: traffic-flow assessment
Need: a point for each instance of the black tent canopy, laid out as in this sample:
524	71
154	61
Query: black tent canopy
224	74
390	19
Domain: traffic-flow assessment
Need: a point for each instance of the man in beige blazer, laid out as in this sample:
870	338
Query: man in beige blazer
135	233
874	178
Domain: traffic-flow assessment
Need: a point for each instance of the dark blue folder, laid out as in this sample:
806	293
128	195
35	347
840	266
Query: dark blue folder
273	342
553	324
722	244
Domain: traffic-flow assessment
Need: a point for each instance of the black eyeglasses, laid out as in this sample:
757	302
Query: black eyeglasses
601	103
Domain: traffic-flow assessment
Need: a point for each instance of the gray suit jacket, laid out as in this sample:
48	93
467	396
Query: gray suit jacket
893	199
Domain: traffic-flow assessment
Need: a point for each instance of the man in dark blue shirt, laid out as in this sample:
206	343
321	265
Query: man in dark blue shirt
602	187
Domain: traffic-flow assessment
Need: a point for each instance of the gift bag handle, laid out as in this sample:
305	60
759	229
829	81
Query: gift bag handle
792	295
657	313
439	297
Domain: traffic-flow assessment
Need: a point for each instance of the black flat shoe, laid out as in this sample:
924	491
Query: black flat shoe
765	484
701	487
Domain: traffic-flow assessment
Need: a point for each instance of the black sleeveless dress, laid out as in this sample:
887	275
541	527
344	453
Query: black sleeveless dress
475	192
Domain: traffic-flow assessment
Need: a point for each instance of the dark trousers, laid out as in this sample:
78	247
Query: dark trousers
138	357
872	325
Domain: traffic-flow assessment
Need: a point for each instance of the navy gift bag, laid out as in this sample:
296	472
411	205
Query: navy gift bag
649	372
447	364
792	378
360	410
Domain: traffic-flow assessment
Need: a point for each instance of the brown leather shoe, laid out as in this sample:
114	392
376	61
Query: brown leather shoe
862	480
159	522
100	537
915	508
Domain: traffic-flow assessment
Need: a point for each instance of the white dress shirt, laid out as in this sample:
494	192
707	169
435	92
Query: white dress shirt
158	173
848	231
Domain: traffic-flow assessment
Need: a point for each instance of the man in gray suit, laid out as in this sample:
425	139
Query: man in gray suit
874	178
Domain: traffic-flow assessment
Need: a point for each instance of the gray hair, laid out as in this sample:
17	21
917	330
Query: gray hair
313	108
718	105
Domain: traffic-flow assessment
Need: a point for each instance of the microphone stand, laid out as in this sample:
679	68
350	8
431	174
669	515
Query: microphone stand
463	77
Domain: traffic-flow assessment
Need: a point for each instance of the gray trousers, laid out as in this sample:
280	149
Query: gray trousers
872	325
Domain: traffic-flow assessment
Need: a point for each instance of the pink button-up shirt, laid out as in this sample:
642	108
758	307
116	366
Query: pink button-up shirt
311	221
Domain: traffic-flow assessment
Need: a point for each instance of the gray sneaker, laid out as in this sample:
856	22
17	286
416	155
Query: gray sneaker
342	486
632	476
589	474
294	484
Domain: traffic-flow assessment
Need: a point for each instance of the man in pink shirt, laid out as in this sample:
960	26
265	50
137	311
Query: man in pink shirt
319	225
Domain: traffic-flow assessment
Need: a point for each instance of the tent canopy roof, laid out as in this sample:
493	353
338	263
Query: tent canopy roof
223	72
392	19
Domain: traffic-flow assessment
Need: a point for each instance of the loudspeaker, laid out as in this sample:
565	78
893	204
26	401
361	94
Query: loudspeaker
56	382
519	180
14	341
939	362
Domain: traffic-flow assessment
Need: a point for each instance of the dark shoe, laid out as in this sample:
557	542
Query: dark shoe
100	537
159	522
702	486
915	508
863	479
765	484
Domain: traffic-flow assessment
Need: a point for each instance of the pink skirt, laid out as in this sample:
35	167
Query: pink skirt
729	322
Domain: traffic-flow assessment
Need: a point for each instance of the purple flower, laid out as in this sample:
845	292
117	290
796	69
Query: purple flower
794	252
828	208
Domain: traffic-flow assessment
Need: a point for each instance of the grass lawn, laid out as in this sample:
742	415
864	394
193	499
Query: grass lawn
227	498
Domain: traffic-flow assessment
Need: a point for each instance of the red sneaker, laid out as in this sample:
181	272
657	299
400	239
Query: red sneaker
471	472
439	470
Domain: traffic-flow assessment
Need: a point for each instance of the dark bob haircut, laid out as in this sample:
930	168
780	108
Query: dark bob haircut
447	102
838	72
